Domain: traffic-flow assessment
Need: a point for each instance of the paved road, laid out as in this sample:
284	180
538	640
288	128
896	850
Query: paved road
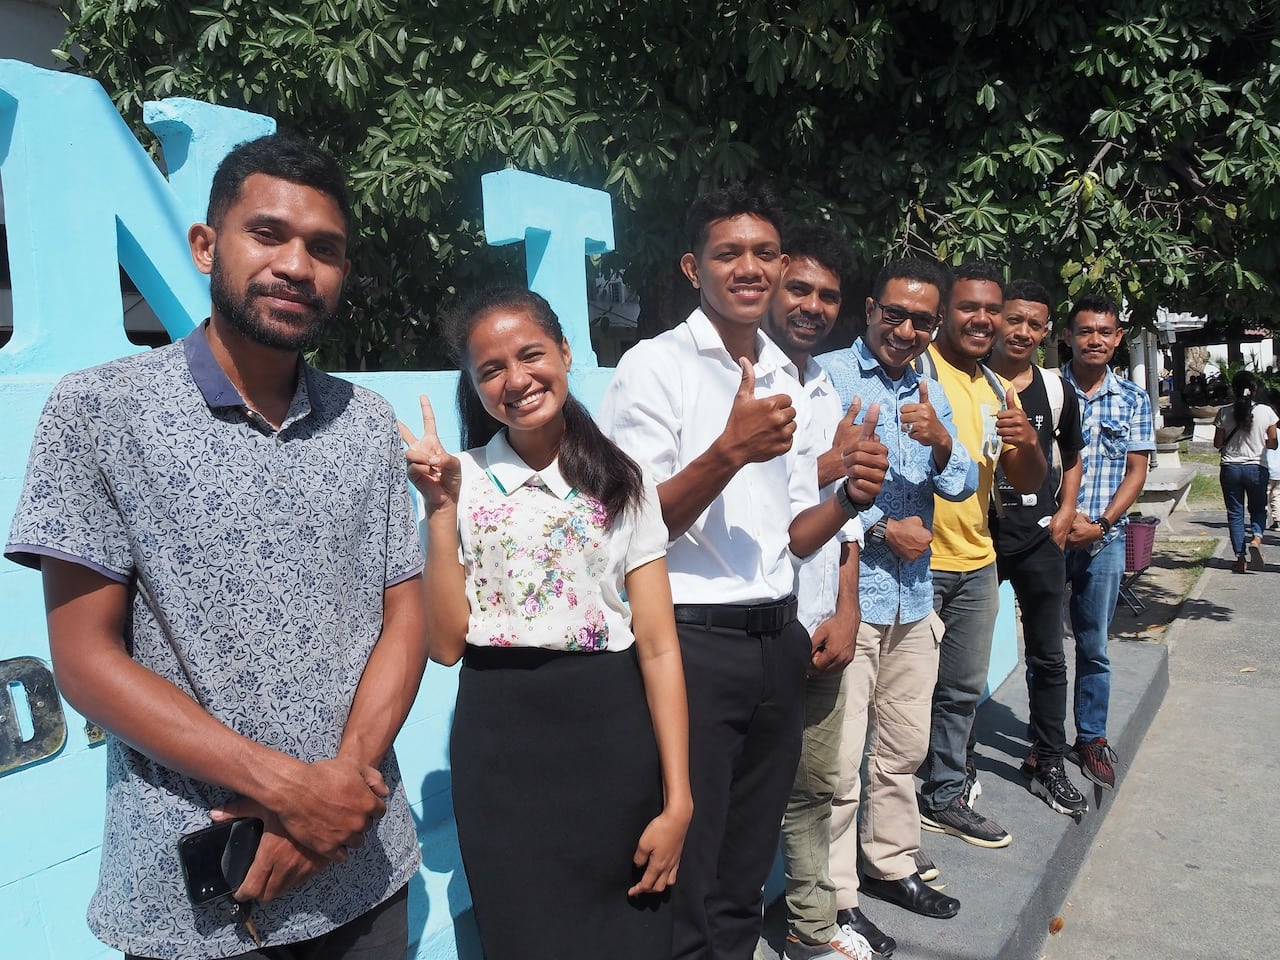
1187	861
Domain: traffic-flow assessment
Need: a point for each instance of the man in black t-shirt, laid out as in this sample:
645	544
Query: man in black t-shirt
1030	530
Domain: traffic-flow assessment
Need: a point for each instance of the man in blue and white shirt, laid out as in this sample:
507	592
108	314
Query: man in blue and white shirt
1119	433
895	665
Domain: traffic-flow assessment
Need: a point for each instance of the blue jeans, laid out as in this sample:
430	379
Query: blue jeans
1095	588
1241	480
967	604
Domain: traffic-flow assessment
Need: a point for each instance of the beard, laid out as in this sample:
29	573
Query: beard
275	329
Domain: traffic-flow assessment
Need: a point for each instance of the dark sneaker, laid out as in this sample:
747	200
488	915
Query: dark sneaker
972	789
1028	768
925	867
1097	761
1050	782
958	819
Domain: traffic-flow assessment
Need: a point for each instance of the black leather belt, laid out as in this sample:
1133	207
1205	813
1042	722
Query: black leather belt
751	617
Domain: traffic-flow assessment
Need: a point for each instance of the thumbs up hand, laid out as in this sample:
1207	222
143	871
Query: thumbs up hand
758	428
920	422
864	457
1012	425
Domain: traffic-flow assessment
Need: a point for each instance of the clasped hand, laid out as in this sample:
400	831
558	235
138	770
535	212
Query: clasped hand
329	806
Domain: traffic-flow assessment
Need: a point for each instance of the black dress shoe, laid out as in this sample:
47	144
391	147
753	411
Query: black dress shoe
879	941
912	893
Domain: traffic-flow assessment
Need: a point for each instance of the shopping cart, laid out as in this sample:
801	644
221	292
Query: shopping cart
1140	536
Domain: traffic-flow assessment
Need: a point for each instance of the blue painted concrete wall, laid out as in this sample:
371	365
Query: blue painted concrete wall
81	197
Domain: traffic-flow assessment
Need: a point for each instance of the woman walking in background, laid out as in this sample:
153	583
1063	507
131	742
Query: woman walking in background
1244	432
569	751
1273	474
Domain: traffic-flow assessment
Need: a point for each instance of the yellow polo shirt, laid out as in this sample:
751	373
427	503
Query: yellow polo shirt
961	536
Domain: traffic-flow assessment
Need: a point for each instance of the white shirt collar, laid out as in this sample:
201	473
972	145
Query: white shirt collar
769	356
510	473
815	378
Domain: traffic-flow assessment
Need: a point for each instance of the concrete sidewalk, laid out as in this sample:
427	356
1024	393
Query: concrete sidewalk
1187	862
1178	864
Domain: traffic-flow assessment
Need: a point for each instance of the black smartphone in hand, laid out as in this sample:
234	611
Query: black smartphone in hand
216	860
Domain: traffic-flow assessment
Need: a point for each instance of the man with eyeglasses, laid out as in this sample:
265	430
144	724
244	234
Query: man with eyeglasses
995	430
895	663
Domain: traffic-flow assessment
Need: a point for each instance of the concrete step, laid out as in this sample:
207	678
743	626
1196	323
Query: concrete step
1010	896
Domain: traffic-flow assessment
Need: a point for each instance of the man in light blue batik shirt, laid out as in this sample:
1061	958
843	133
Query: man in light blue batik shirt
889	684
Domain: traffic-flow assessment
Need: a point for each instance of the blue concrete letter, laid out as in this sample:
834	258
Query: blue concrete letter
560	223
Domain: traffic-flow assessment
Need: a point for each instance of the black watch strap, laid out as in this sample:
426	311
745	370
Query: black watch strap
850	508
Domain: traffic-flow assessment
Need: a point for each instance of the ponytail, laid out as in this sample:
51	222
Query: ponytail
1245	386
595	464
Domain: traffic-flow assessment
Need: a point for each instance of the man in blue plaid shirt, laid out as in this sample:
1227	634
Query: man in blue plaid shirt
1119	433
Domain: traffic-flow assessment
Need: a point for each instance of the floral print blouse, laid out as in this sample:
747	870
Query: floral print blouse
543	567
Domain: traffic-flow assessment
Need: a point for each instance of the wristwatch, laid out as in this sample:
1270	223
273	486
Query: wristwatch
1104	523
878	529
850	508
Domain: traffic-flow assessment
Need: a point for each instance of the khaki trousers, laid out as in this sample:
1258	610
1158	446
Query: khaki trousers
806	827
888	699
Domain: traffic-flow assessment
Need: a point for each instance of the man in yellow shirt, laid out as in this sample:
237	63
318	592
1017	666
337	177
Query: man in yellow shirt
995	430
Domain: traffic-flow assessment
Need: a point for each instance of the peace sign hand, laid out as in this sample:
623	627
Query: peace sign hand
436	473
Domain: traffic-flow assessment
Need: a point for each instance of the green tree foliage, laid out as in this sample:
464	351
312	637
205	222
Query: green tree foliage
1133	147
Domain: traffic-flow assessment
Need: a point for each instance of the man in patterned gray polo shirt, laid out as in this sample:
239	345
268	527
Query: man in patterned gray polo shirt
233	580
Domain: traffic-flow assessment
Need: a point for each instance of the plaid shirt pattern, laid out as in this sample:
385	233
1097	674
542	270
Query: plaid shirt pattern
1115	421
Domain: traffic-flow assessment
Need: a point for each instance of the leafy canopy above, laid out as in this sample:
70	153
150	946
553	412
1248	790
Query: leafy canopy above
1132	148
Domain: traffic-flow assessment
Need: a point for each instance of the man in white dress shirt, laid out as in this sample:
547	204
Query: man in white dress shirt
714	411
804	311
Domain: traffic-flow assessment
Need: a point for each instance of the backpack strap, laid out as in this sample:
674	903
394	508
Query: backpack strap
994	382
926	367
1054	387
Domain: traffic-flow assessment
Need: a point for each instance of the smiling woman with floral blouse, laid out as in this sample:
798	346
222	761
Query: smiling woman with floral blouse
546	575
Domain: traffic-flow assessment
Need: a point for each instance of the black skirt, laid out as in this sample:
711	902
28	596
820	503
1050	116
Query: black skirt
555	776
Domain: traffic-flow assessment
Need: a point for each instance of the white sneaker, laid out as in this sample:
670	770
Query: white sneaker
846	944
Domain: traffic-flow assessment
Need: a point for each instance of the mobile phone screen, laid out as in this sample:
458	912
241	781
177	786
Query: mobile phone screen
216	859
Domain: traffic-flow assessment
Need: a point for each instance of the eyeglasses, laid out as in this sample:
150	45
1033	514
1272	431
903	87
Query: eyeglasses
892	316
